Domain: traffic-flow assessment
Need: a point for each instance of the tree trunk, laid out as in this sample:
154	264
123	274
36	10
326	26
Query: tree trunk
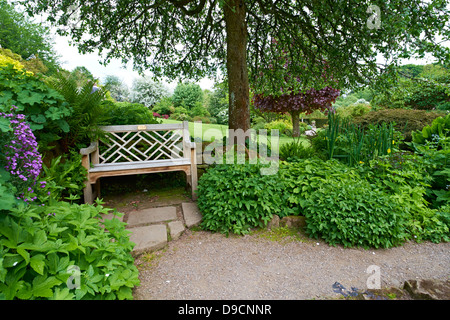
238	88
295	123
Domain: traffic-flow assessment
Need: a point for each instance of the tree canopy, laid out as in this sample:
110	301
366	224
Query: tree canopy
25	37
192	39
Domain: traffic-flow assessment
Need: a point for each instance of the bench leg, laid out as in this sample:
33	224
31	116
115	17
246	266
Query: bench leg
88	196
97	189
194	184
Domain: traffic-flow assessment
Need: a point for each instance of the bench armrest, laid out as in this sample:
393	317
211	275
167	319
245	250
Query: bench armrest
86	151
192	145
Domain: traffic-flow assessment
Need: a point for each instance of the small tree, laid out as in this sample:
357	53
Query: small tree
295	104
187	95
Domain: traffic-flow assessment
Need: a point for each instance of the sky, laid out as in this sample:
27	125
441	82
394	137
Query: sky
70	59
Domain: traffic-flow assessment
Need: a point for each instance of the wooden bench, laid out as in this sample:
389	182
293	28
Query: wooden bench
139	149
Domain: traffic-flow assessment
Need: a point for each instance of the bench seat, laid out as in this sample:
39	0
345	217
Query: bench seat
123	146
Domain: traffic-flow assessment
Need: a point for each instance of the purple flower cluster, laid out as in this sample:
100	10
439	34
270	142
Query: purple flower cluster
22	158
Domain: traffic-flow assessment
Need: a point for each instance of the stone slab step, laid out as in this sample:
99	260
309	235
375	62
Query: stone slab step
191	213
152	215
149	238
176	229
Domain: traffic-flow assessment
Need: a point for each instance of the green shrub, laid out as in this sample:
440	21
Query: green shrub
163	106
64	177
404	120
123	113
353	213
283	126
45	109
295	150
41	246
353	110
406	177
436	163
434	133
235	198
199	111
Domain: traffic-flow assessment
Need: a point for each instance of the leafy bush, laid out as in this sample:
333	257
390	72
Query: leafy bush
64	177
42	240
404	120
163	106
438	130
295	150
353	110
42	245
122	113
199	111
235	198
44	108
339	212
436	161
405	177
283	126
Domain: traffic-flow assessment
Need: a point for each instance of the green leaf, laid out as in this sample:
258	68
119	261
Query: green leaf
24	253
62	294
42	286
37	263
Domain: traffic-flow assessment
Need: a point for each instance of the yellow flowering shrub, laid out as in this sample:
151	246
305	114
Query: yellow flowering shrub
5	60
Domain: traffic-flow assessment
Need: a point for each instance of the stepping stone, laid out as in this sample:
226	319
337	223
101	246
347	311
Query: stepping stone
192	215
149	238
176	229
152	215
110	216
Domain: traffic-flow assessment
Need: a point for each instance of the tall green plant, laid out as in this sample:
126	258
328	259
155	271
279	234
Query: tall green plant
88	112
353	144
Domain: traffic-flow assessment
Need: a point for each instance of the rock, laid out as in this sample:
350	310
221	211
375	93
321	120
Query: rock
296	222
274	222
428	289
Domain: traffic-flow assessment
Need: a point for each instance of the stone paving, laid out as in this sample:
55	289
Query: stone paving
152	228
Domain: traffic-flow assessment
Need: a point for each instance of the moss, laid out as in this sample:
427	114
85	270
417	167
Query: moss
280	234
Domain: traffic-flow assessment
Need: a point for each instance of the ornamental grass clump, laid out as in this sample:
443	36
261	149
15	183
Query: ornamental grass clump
20	155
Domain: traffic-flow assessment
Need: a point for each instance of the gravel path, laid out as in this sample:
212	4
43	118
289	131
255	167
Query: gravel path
203	265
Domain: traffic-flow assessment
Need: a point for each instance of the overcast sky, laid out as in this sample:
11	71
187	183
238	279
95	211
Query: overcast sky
70	59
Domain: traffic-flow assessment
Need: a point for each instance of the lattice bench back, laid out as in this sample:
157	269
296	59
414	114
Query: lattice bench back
137	143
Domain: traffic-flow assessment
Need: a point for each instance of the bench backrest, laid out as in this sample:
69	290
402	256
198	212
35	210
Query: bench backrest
147	142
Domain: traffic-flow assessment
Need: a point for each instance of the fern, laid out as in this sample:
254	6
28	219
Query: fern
87	111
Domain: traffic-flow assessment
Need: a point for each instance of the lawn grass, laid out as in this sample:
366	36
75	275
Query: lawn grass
223	130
